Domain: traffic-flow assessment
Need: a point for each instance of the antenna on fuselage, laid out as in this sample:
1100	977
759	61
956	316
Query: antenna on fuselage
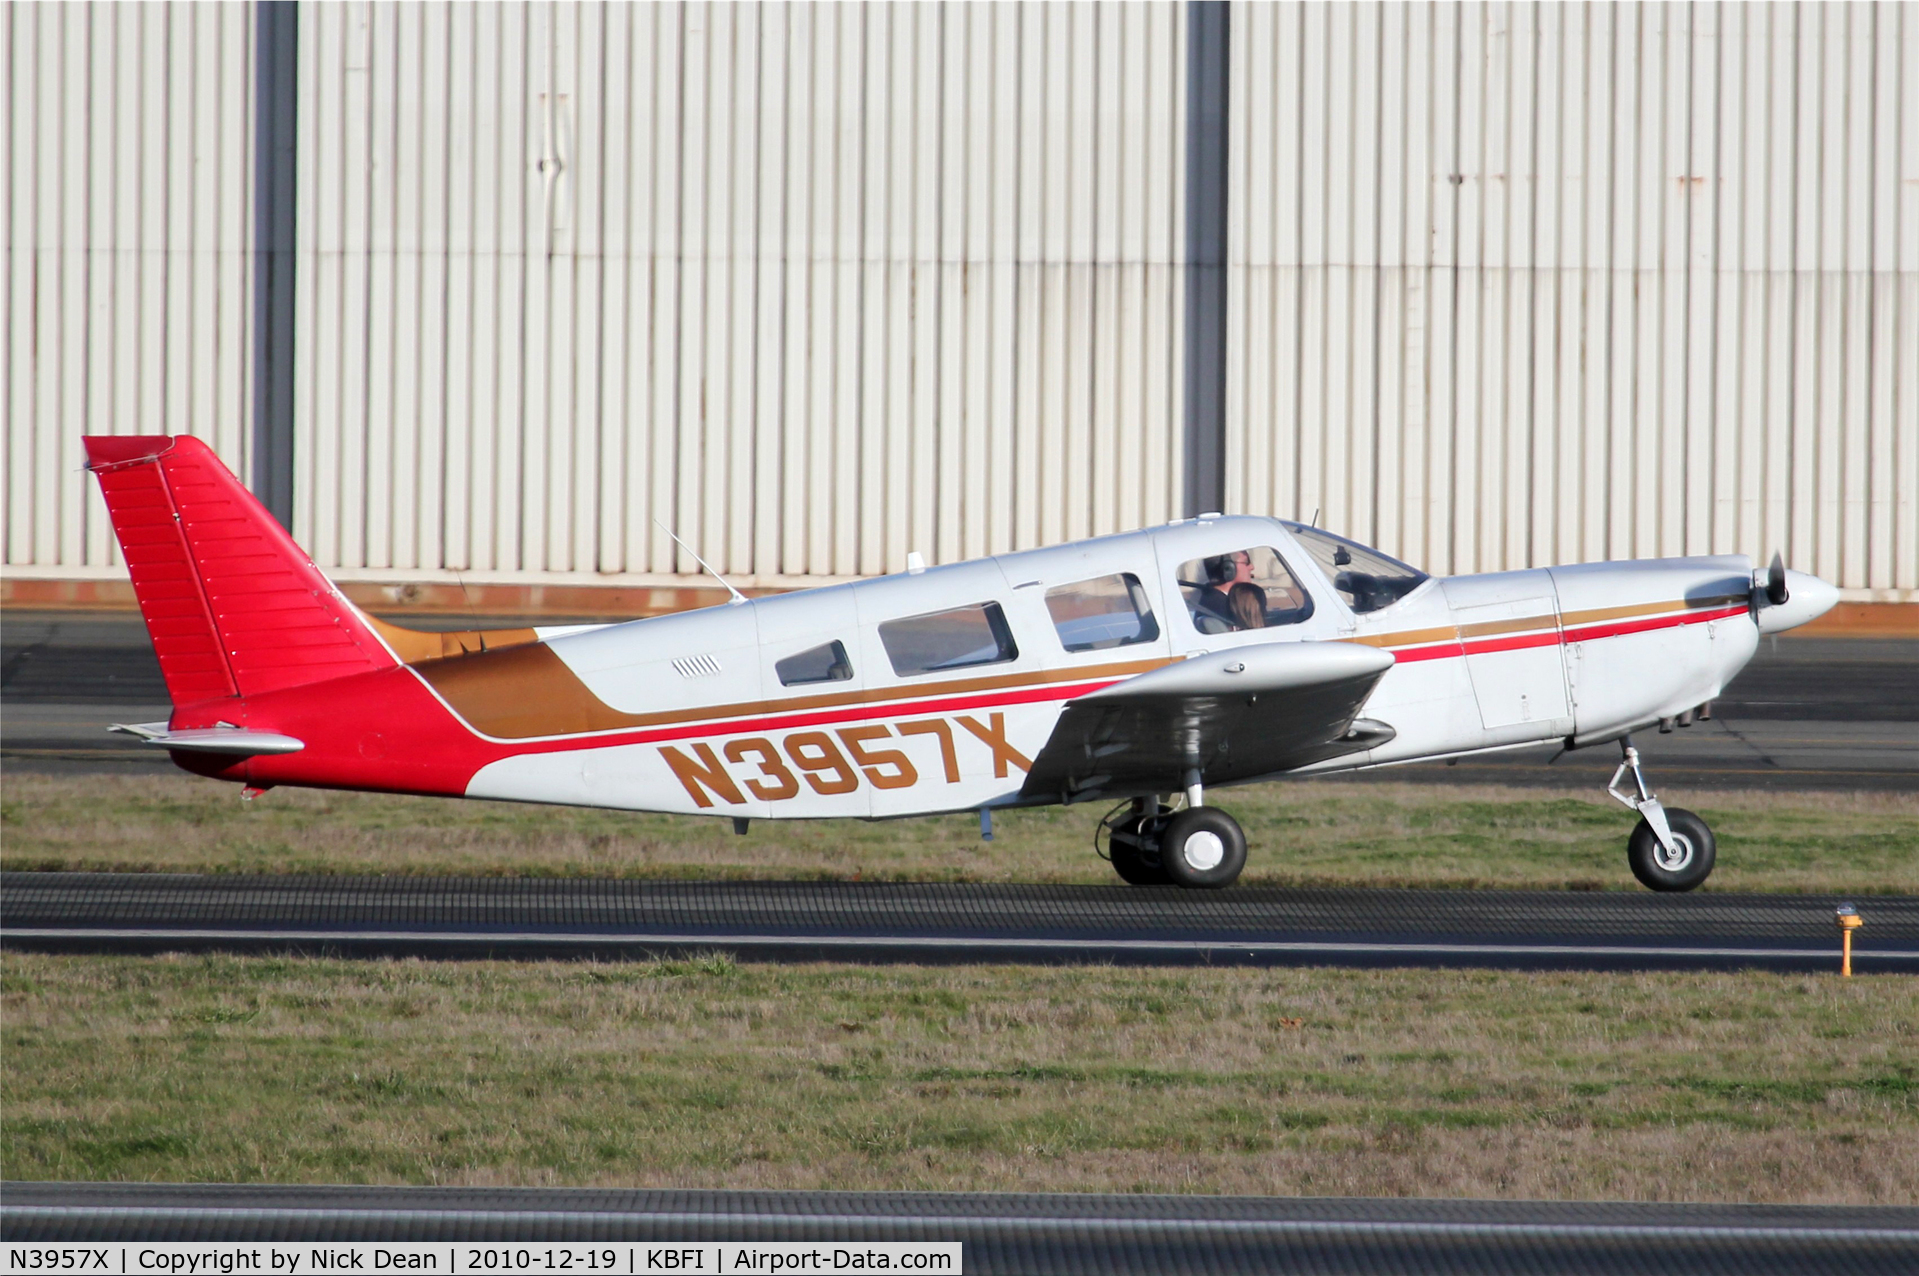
737	597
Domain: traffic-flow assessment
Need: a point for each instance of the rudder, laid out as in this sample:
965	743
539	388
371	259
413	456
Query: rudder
233	605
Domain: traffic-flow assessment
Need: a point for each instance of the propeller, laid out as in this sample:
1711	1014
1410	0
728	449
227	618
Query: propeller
1776	592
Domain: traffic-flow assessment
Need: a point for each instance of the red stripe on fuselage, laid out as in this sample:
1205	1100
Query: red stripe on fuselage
1515	642
1587	633
1410	655
1551	637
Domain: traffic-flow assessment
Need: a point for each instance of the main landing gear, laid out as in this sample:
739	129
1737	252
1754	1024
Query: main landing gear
1669	850
1151	844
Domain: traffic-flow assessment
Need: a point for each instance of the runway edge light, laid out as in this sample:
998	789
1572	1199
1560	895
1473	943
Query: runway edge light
1848	921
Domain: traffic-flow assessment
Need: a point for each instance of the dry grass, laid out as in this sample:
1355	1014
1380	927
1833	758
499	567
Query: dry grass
1321	832
1658	1087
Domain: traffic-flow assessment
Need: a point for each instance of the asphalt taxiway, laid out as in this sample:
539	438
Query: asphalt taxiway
1006	1233
1807	713
579	918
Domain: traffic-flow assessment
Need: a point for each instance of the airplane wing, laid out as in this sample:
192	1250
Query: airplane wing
1231	715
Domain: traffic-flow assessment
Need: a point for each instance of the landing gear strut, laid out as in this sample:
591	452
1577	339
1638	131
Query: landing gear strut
1669	850
1133	843
1200	847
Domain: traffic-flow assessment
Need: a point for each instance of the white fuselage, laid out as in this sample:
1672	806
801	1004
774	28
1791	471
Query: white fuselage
699	721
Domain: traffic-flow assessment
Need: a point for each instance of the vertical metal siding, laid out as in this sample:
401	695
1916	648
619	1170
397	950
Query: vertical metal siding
812	285
1520	284
1508	284
127	219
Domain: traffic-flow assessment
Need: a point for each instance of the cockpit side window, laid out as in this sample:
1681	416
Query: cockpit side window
1246	589
1367	579
1108	611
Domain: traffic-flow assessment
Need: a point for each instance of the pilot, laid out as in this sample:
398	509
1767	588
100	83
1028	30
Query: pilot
1223	571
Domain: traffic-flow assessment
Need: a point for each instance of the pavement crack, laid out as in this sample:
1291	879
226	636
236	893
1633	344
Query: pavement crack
19	660
1765	758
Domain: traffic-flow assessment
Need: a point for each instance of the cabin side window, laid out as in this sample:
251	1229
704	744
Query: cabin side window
824	663
1246	589
955	639
1108	611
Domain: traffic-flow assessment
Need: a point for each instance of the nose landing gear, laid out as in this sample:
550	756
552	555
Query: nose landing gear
1669	850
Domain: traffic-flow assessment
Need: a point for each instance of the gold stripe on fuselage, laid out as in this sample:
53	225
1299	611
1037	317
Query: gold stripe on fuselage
526	692
1573	619
416	646
1570	620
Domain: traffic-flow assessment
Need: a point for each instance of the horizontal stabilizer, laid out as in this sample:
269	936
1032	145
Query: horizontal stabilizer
232	741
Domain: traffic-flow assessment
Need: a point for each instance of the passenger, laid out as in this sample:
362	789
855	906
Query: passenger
1247	602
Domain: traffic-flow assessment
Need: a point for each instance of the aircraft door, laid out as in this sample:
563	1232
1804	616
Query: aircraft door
949	650
1509	628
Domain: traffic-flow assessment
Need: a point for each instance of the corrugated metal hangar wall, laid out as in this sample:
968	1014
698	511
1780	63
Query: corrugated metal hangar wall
1529	284
489	289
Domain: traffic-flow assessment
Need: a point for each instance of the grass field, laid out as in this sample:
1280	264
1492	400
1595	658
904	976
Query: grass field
1307	833
1715	1087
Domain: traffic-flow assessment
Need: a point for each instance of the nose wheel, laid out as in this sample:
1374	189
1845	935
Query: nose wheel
1201	847
1670	849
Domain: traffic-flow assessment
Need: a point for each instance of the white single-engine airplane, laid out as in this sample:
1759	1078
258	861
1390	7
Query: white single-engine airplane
1148	668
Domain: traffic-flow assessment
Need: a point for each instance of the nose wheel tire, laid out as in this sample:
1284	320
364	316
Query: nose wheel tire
1687	864
1202	848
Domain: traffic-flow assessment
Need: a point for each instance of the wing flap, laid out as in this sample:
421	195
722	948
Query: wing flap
1231	715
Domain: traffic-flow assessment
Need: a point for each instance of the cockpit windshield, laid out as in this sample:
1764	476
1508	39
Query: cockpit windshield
1365	578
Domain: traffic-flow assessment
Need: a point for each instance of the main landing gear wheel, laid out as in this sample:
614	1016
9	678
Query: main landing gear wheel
1135	850
1202	848
1669	850
1681	867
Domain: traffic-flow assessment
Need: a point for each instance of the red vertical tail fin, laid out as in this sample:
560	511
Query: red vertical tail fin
233	605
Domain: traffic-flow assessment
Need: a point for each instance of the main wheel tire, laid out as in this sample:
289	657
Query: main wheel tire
1202	848
1136	864
1681	869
